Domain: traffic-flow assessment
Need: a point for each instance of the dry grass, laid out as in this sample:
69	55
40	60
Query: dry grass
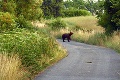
115	38
86	30
10	68
84	22
82	36
38	24
114	41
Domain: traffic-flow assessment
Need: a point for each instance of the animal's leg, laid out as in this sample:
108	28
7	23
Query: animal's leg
68	40
63	40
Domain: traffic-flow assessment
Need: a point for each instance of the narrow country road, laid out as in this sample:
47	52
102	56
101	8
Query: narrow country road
84	62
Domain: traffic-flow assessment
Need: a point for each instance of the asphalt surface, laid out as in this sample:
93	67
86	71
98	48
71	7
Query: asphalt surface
84	62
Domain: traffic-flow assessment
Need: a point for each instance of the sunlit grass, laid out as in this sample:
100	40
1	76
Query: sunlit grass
10	68
114	41
86	30
84	22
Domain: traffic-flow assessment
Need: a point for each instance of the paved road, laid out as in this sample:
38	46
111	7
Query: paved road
84	62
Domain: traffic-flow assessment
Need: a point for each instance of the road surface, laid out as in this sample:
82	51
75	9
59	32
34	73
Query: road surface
84	62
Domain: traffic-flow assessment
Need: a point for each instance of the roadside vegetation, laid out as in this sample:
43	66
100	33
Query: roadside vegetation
35	50
25	49
29	28
87	30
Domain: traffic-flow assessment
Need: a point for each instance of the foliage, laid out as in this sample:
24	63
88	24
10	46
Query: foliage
7	22
89	32
76	4
71	13
110	18
99	7
30	9
23	23
57	24
9	6
52	8
35	49
92	6
15	13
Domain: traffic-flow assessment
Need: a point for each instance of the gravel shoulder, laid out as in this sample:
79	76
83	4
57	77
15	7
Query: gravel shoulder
84	62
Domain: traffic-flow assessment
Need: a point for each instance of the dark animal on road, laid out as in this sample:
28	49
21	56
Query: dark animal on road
67	35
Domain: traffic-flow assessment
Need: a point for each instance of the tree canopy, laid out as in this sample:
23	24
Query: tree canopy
110	19
30	9
52	8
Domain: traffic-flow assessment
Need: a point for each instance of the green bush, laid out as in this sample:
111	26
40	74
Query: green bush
72	13
57	24
23	23
7	22
8	6
35	49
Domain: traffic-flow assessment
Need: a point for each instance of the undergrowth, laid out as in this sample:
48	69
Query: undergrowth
35	48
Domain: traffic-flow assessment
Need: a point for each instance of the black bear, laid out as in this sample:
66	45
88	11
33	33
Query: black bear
67	35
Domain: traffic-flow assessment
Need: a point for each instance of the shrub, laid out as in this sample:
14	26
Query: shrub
57	24
7	22
23	23
72	13
36	49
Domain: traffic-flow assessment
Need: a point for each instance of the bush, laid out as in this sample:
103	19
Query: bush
110	18
72	13
57	24
7	22
35	49
23	23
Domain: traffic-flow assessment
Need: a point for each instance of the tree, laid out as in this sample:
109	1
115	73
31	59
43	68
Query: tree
30	9
94	6
76	4
99	7
19	13
110	19
8	6
52	8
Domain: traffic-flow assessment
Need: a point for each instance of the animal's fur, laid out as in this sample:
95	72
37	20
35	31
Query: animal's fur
67	35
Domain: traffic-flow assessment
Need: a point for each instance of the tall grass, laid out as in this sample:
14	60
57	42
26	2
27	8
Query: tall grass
114	41
86	30
84	22
10	68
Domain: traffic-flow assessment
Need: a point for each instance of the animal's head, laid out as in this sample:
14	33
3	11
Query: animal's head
71	33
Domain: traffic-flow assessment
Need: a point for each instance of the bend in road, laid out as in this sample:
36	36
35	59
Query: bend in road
84	62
